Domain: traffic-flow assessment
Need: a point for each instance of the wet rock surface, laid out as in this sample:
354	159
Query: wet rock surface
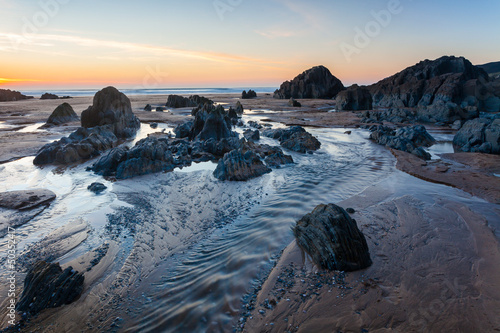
316	82
332	239
480	135
294	138
97	188
63	114
408	139
24	200
252	135
211	122
240	165
48	286
176	101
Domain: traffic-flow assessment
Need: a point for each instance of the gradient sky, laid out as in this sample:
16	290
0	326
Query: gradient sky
231	43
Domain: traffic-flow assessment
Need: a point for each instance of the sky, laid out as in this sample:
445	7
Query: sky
233	43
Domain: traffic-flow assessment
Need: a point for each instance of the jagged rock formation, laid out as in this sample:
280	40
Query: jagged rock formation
442	90
49	96
47	286
294	138
148	108
211	122
240	165
354	98
111	108
408	139
63	114
332	239
176	101
480	135
293	103
316	82
251	135
7	95
248	95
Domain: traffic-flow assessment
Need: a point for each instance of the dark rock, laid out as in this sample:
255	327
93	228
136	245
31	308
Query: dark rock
63	114
175	101
393	115
160	109
112	108
248	95
443	90
316	82
239	108
211	122
294	138
408	139
47	286
148	108
332	239
49	96
183	130
354	98
232	115
149	155
254	124
24	200
480	135
240	165
82	144
350	210
293	103
252	135
457	124
153	125
97	188
278	159
7	95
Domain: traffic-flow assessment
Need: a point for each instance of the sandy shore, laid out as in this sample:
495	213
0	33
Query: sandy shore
435	255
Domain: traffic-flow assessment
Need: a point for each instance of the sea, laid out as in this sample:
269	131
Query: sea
153	91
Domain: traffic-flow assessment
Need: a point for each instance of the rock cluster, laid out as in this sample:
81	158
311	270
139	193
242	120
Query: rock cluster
110	118
408	139
176	101
442	90
47	286
354	98
7	95
248	95
294	138
332	239
316	82
49	96
480	135
63	114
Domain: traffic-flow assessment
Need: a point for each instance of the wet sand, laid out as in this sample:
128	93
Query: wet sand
435	254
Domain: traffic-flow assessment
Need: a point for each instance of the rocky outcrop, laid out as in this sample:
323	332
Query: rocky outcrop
443	90
112	108
293	103
332	239
97	188
63	114
238	108
354	98
149	155
251	135
24	200
408	139
479	135
211	122
7	95
176	101
316	82
47	286
294	138
49	96
248	95
240	165
393	115
82	144
183	130
148	108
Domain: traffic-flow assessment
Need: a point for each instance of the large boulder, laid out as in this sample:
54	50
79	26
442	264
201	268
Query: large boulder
332	239
26	199
479	135
354	98
211	122
82	144
112	108
443	90
240	165
294	138
248	95
63	114
176	101
183	130
7	95
316	82
408	139
49	96
47	286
